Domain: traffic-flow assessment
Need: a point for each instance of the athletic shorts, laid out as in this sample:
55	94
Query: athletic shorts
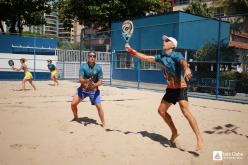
28	76
175	95
94	96
54	73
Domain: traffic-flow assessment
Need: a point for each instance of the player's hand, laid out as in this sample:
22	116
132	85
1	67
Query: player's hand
84	85
127	47
91	86
187	74
130	50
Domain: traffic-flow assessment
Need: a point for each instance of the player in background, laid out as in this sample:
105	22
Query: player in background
54	72
27	74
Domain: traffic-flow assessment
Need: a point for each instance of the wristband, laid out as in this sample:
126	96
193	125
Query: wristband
132	52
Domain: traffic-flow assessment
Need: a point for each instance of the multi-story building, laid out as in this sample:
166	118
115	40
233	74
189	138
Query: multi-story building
238	39
52	24
3	26
55	28
50	28
72	35
179	5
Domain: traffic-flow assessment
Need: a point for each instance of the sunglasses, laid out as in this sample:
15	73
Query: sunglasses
94	56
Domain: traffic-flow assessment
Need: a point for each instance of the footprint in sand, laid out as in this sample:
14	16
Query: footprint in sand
63	128
23	146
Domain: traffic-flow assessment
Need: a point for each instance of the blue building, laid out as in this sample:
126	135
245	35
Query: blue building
191	32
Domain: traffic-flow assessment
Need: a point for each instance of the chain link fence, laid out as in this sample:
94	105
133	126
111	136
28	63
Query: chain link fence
219	66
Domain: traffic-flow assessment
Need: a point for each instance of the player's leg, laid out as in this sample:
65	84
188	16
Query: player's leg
54	77
56	80
184	106
95	99
162	110
101	114
23	84
75	101
31	83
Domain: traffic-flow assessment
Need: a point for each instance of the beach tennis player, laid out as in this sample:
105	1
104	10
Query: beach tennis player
177	74
54	72
90	78
27	74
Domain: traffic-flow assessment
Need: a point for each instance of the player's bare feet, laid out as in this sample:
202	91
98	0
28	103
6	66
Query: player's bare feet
173	137
199	145
103	125
76	119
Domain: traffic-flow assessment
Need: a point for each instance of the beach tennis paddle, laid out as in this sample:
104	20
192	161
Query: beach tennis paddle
11	63
127	30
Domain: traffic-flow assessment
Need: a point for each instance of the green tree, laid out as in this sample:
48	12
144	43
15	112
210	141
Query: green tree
199	8
209	50
17	13
100	14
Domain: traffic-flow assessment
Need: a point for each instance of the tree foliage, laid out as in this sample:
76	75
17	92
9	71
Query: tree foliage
100	13
17	13
231	7
199	8
209	50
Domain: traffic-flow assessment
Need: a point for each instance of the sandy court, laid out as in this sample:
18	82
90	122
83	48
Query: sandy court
36	128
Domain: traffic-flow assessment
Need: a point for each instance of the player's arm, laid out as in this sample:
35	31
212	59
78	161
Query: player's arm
17	69
98	83
187	71
100	77
139	55
84	82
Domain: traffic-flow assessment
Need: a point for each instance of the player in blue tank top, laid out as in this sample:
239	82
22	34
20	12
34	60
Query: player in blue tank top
90	78
177	73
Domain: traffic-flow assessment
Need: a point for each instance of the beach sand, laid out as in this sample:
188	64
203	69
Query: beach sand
36	128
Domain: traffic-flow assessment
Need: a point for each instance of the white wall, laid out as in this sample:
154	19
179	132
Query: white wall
40	61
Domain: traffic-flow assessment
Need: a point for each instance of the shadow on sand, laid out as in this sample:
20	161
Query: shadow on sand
157	138
225	130
152	136
21	89
86	121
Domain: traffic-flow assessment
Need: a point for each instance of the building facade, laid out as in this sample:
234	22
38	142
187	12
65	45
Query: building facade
191	32
72	35
50	28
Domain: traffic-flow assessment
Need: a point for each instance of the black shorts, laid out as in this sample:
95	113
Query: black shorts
175	95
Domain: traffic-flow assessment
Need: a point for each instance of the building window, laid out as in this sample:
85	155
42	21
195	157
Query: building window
182	2
124	60
147	65
218	12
